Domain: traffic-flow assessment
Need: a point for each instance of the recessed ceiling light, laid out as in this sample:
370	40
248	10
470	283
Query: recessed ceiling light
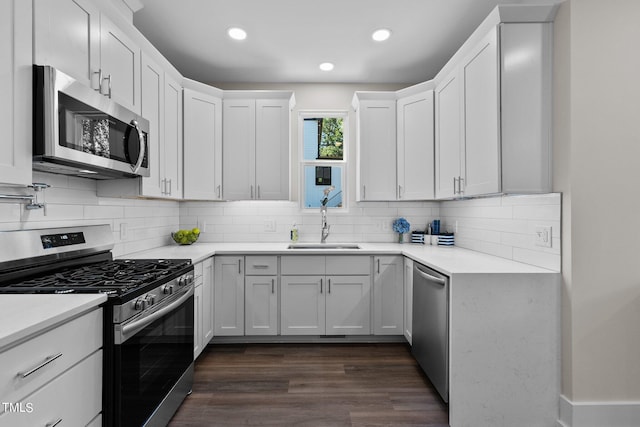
381	35
326	66
237	33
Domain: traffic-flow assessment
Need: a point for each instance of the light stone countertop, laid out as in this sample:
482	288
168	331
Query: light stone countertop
22	315
448	260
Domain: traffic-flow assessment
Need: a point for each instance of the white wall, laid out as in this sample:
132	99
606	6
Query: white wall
597	130
73	201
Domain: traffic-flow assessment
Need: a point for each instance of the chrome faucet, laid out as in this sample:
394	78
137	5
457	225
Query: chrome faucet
325	226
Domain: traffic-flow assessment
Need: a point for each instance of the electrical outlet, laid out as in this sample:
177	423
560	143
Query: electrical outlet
543	236
385	225
270	225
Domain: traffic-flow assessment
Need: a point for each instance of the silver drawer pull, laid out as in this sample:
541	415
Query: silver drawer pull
260	266
48	360
54	424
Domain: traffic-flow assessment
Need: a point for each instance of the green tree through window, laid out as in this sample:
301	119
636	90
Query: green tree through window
330	144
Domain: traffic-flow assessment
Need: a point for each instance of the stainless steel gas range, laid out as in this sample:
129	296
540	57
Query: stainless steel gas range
148	324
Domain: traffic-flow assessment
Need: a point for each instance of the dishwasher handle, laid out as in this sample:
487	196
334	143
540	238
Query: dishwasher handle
431	278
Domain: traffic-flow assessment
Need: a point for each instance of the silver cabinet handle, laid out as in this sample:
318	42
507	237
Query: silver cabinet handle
108	91
239	266
261	266
163	185
364	192
258	191
46	361
273	286
53	424
320	285
460	181
170	187
219	193
399	191
98	83
329	285
454	185
378	262
252	192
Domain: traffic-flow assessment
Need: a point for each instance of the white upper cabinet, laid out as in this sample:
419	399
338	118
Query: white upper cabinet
120	65
74	37
152	93
492	114
202	145
415	147
172	137
480	79
256	146
15	105
376	146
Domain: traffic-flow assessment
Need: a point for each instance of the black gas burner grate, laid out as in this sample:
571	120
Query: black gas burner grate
111	277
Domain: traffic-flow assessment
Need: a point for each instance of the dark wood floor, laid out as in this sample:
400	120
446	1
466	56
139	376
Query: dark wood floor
310	385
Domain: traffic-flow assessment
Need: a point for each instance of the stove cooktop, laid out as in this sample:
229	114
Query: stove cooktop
117	277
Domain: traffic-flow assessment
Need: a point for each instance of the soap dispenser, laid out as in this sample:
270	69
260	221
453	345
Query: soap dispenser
294	233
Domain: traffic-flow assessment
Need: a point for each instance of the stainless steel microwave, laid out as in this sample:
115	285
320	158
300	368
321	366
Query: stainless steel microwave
78	131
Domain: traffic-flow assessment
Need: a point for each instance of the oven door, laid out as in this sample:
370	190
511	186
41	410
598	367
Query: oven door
151	356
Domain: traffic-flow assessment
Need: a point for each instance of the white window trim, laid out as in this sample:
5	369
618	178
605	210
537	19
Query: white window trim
312	114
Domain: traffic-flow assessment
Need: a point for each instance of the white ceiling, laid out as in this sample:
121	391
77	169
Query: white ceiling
288	39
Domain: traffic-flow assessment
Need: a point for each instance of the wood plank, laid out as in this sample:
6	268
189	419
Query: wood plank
310	385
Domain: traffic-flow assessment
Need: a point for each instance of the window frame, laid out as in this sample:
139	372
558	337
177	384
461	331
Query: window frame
314	114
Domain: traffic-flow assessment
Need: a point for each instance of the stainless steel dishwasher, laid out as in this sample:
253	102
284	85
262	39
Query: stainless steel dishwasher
431	326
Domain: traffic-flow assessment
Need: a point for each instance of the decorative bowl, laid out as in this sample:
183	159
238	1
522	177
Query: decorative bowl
185	237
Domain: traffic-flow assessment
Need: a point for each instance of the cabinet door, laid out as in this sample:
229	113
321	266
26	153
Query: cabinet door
15	84
415	147
120	62
202	146
377	150
67	37
272	149
172	137
261	305
207	301
348	305
447	135
239	149
408	299
229	296
481	118
197	318
388	296
302	305
152	105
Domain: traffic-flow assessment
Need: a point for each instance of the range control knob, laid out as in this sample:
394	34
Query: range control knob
150	299
167	289
182	281
190	279
139	304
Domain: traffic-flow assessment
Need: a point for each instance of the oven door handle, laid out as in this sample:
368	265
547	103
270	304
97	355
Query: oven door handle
136	326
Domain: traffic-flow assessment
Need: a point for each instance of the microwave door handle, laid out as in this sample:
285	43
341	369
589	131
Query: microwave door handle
143	146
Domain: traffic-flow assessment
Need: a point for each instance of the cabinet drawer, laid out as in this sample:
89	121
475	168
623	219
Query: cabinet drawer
349	264
261	265
75	397
72	341
303	264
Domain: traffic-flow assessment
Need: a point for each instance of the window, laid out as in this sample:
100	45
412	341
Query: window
323	165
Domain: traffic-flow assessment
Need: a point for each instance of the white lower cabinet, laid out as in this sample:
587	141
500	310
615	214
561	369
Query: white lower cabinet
229	296
408	299
38	371
261	305
388	295
333	298
203	306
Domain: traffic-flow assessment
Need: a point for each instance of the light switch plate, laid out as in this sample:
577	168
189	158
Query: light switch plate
543	236
124	231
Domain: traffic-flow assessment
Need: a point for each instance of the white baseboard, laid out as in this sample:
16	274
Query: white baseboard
598	414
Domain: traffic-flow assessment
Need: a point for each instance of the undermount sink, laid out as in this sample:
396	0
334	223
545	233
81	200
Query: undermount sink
323	246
